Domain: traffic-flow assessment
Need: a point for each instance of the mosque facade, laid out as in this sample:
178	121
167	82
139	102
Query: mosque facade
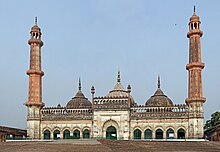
117	115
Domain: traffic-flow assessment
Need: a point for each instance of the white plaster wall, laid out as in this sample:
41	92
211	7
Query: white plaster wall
104	119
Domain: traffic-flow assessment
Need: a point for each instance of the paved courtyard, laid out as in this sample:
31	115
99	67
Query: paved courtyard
109	146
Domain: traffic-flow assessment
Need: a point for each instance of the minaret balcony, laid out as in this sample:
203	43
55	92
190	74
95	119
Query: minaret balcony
195	99
38	104
37	41
195	65
194	32
41	73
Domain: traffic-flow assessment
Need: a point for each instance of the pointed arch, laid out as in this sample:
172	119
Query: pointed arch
148	133
86	127
56	134
86	134
181	133
66	134
137	134
76	133
65	128
47	134
56	128
159	133
108	124
137	127
170	133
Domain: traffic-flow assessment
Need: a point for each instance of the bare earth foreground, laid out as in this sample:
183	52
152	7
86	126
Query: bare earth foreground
109	145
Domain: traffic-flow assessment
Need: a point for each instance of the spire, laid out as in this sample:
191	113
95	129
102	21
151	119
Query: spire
35	20
119	77
80	84
158	82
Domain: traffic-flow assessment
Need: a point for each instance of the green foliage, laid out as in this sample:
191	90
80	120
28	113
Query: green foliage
215	120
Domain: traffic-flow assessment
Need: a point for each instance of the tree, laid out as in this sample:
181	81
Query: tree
214	121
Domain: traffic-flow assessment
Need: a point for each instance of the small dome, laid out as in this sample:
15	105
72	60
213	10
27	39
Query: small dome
79	101
159	99
35	28
194	17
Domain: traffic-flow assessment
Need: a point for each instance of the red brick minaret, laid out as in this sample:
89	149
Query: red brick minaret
195	98
35	73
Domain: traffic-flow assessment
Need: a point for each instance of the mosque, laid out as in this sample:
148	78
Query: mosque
116	115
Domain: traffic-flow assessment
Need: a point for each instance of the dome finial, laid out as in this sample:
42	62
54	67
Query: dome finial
158	82
35	20
80	84
119	77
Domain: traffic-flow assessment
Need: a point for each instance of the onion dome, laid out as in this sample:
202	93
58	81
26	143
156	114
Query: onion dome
119	90
159	99
194	17
79	101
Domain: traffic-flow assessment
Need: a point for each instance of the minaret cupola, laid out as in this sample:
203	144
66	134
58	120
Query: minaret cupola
194	25
35	36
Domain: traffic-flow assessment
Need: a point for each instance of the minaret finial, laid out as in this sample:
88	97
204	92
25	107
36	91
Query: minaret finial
194	10
119	77
80	84
35	20
158	82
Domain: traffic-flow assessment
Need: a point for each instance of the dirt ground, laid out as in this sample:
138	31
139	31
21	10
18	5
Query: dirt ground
110	146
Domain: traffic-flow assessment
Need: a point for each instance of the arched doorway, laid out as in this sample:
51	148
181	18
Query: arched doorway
111	133
159	134
47	134
76	134
56	134
170	134
181	134
137	134
86	134
147	134
66	134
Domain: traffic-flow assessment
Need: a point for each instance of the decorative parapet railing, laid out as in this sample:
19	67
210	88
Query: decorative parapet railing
111	103
62	113
143	112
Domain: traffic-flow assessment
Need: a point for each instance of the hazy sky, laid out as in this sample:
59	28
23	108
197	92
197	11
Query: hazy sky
92	39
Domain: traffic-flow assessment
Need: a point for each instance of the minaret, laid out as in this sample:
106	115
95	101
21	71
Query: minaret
35	73
195	98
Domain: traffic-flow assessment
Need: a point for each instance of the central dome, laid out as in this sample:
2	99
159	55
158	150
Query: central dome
159	99
79	101
119	90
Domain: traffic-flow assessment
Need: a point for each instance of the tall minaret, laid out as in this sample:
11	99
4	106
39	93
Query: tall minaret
35	73
195	98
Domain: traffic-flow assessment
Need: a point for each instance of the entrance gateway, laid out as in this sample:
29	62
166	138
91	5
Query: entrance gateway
111	133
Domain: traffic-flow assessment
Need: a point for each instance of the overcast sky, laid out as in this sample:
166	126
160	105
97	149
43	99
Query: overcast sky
92	39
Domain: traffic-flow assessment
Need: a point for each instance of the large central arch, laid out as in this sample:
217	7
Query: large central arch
110	129
111	133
